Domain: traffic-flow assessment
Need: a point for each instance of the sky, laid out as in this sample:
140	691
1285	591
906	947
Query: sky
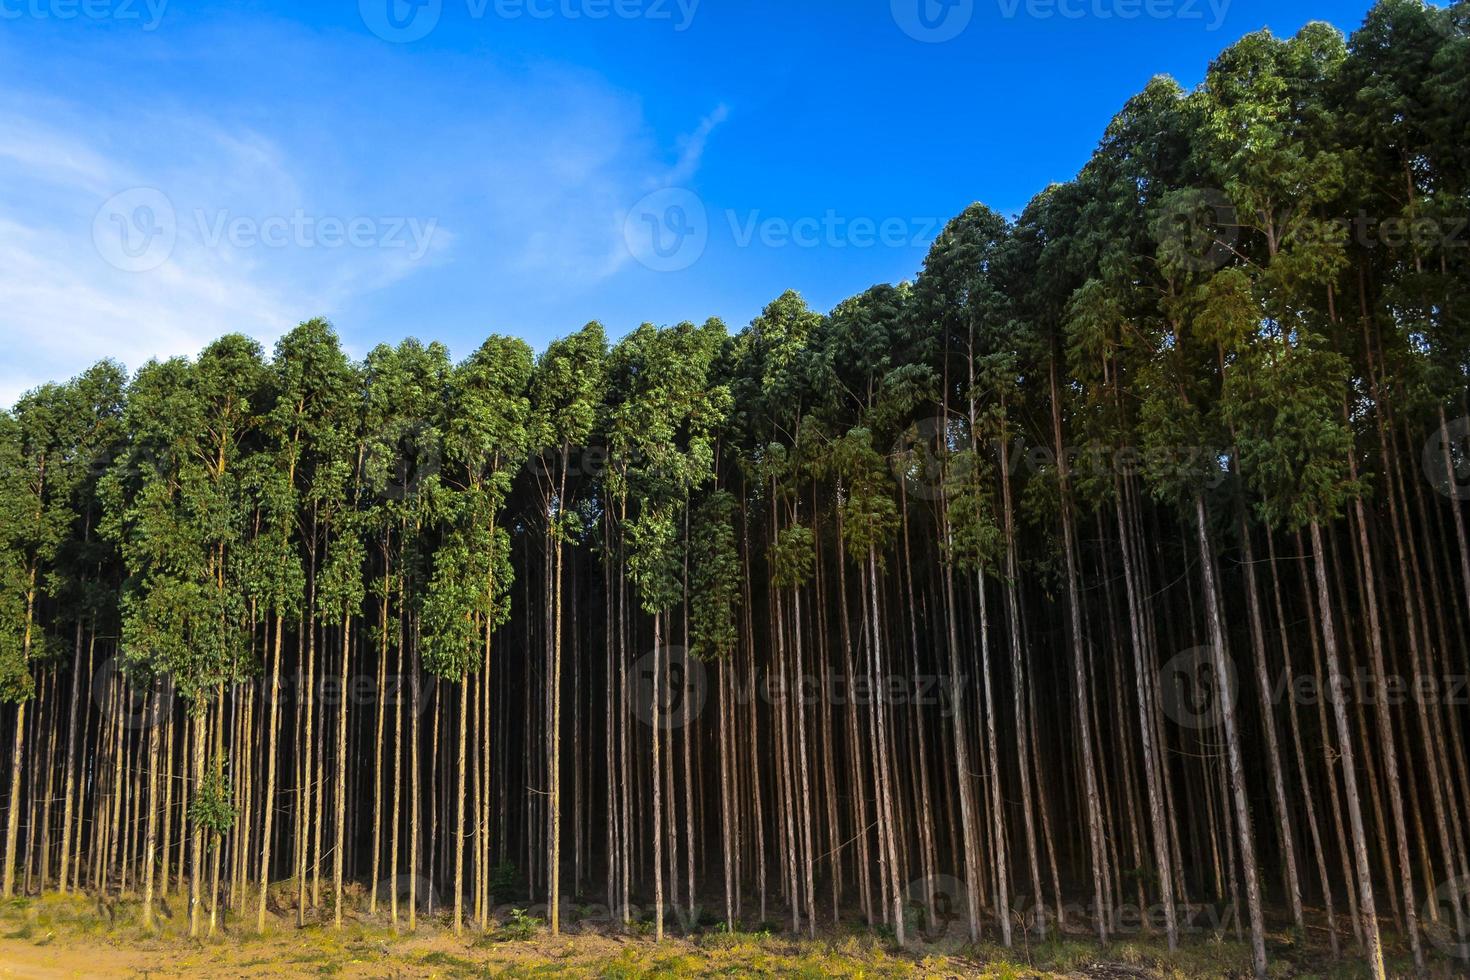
174	170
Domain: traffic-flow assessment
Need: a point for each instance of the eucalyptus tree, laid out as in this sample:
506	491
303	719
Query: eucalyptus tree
486	439
52	447
715	603
17	548
1045	266
88	591
1294	447
872	394
664	411
1142	161
1271	140
307	373
870	521
566	391
337	496
960	296
229	381
403	403
841	494
1181	409
172	505
771	364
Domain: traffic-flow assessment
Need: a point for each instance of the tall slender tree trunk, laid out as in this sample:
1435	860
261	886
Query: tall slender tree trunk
69	779
459	835
658	832
340	808
150	843
268	801
1368	912
1236	763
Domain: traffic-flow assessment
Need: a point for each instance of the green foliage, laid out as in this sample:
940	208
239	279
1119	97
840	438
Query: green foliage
870	515
715	578
520	927
976	540
566	390
15	675
793	557
1286	402
665	410
175	505
212	807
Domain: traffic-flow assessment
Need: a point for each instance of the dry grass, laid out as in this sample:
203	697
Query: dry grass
68	937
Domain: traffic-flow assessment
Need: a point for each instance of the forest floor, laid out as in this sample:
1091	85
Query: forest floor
72	937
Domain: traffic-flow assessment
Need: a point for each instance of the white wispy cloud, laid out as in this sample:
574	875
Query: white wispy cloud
692	148
517	180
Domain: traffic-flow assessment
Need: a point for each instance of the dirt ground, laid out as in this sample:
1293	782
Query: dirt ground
70	937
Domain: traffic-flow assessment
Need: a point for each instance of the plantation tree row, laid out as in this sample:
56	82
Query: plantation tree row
1067	586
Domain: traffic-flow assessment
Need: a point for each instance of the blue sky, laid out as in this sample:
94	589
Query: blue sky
171	170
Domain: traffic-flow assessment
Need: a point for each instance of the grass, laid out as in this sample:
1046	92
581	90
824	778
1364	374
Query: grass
67	934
